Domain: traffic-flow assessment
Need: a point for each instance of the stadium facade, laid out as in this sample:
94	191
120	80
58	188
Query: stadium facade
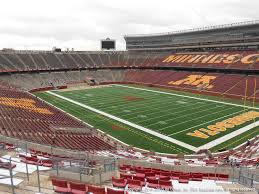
233	36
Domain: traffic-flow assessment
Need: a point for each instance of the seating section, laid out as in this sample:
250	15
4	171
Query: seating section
163	177
25	117
221	84
63	186
12	61
22	61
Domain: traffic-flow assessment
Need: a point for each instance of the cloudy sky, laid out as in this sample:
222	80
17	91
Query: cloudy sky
80	24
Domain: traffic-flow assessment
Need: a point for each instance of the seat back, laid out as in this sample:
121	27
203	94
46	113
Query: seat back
77	186
153	181
165	178
165	173
125	176
225	176
96	190
140	170
118	180
134	182
184	176
142	179
165	183
150	174
59	183
197	175
112	191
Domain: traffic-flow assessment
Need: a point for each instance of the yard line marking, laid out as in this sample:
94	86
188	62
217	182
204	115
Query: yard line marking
229	136
197	118
192	114
206	122
108	103
170	114
157	106
172	140
192	97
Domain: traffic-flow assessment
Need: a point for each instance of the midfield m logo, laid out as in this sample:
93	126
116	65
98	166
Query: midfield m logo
199	81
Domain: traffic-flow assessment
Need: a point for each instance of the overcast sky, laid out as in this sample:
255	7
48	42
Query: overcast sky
80	24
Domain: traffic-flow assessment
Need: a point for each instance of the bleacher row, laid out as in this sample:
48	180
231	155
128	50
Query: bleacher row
233	85
245	155
13	61
225	84
138	181
25	117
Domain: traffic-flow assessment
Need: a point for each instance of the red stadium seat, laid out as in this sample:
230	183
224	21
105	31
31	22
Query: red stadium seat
166	185
95	189
112	191
142	179
223	177
77	188
197	176
60	186
184	178
125	176
134	185
120	183
153	183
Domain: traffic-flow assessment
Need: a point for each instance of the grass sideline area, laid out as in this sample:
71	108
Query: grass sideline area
171	115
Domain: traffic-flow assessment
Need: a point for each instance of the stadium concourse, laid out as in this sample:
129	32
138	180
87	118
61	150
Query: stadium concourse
64	141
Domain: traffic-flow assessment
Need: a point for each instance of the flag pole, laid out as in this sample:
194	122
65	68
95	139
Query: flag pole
254	92
245	96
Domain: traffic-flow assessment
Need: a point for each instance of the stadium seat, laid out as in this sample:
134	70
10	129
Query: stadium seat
7	165
164	178
142	179
95	189
77	188
153	183
60	186
175	175
184	178
47	163
197	176
223	177
166	185
119	182
134	185
125	176
112	191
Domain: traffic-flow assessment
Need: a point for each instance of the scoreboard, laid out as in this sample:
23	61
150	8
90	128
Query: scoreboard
108	44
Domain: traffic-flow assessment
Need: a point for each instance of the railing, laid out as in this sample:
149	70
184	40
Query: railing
249	178
68	169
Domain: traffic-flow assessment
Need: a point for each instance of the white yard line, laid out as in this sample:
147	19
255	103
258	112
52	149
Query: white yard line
172	140
170	114
195	118
205	123
229	136
219	140
192	97
185	115
157	106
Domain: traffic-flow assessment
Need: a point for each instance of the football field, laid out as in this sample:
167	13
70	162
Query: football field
160	120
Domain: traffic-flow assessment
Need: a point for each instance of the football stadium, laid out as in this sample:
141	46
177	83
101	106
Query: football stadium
175	112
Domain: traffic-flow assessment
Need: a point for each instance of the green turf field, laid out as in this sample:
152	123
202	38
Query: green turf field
172	114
